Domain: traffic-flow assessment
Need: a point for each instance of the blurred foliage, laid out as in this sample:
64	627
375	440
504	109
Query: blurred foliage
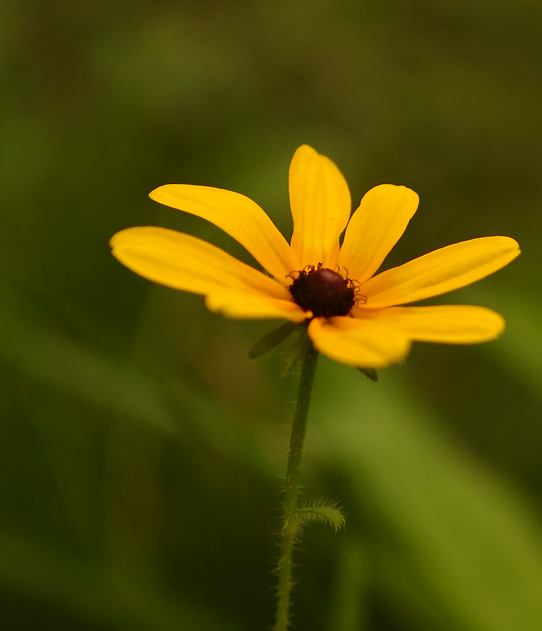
139	449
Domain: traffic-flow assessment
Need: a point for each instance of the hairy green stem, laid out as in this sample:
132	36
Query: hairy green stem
291	492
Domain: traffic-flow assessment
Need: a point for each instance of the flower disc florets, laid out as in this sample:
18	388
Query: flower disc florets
324	292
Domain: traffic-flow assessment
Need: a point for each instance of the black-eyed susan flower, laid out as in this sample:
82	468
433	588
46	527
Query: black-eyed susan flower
353	314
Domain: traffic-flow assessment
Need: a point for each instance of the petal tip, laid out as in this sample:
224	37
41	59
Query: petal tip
117	238
306	149
157	193
512	244
516	246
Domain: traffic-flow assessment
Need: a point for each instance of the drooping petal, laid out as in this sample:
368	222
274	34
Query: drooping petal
440	271
364	343
184	262
321	204
239	217
235	304
446	324
375	227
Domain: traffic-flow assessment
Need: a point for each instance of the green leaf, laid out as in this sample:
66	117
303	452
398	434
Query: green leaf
453	541
370	373
272	339
321	511
297	350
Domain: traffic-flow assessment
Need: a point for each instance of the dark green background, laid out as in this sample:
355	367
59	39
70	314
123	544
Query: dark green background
140	451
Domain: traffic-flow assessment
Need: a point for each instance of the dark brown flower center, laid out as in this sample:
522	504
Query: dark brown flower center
324	292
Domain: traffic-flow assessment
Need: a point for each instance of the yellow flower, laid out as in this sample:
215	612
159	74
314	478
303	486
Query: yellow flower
353	315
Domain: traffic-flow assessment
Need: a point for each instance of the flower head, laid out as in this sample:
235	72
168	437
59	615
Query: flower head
353	314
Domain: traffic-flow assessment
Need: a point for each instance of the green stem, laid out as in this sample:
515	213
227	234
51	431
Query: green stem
291	493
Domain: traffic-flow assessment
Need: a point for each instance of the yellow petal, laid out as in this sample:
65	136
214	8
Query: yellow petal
449	324
240	217
375	227
439	272
320	203
365	343
184	262
244	305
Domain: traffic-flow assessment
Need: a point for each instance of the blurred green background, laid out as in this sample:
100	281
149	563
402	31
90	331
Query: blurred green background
140	450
